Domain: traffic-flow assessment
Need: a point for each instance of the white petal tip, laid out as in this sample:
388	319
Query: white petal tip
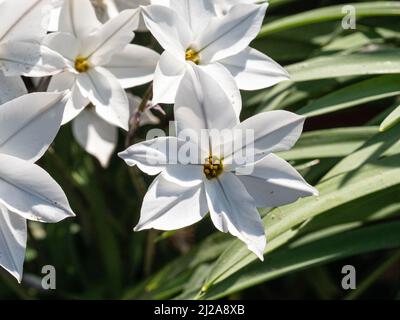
260	257
122	154
258	253
71	215
68	214
17	275
139	227
104	164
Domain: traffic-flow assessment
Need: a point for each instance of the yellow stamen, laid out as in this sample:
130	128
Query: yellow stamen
213	167
192	55
81	64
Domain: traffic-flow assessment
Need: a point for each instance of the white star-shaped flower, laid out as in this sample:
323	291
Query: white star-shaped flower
214	180
28	125
100	64
190	33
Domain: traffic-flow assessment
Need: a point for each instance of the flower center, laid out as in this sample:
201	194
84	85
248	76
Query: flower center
81	64
213	167
192	55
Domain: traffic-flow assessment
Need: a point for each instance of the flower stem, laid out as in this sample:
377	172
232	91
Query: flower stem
135	120
137	179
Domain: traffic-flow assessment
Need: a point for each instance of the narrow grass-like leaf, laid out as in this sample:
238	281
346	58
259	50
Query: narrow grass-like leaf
372	150
391	120
329	143
379	62
362	92
367	9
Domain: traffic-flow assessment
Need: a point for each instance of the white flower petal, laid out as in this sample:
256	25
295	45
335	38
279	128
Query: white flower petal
29	58
78	18
13	236
152	156
95	135
30	123
273	182
63	43
273	131
24	19
170	30
61	82
184	175
195	13
11	88
128	4
222	7
106	9
54	19
201	104
168	206
167	77
163	155
227	83
134	66
111	38
147	117
106	93
254	70
230	34
29	191
233	210
76	101
157	2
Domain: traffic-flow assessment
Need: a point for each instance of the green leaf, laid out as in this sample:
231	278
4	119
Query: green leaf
372	207
362	92
284	49
391	120
276	3
295	257
361	38
380	62
173	277
329	143
372	150
367	9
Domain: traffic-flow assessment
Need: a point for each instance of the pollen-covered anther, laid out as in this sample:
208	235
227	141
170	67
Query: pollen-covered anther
192	55
213	167
82	64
